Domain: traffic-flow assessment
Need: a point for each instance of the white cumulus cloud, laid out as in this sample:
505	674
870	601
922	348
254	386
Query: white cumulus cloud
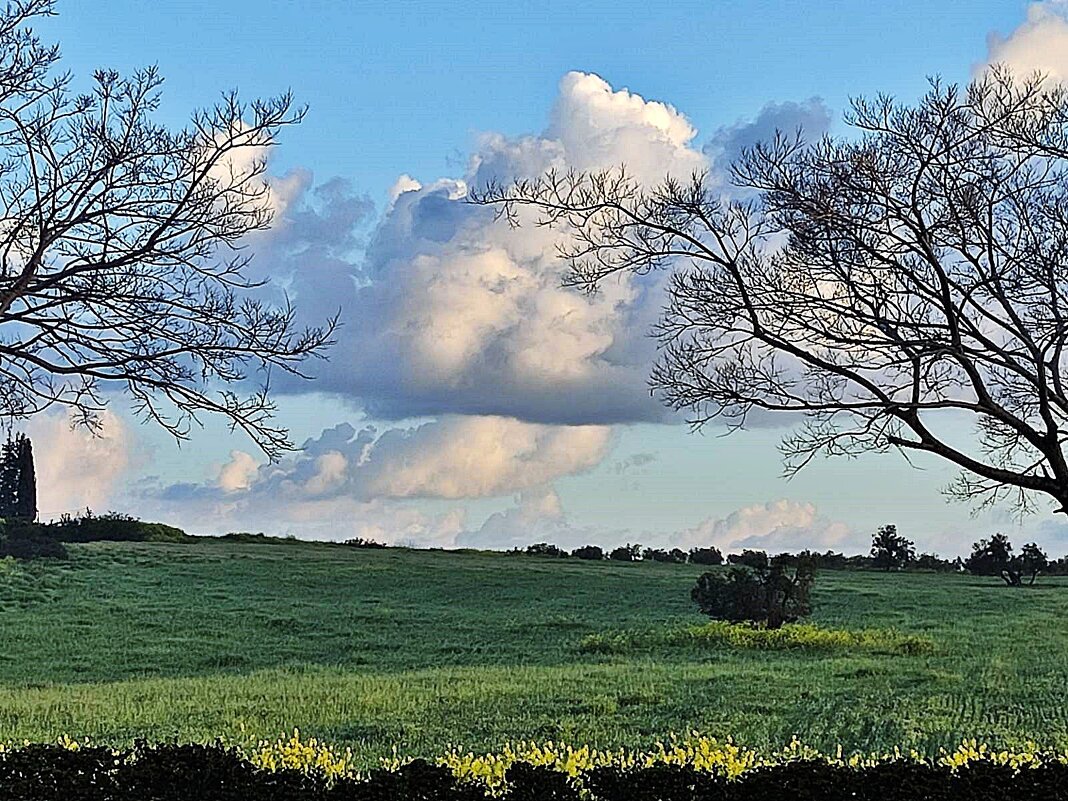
1040	43
77	468
449	311
775	526
237	473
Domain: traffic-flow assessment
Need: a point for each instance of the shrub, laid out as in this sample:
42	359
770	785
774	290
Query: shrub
660	555
758	560
173	771
111	527
248	537
27	541
770	596
685	770
626	553
545	549
526	782
416	780
592	552
706	556
654	783
54	772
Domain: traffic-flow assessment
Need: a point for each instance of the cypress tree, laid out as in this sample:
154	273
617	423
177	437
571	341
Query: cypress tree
8	478
26	488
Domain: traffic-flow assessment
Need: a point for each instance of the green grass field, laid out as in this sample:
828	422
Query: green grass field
423	650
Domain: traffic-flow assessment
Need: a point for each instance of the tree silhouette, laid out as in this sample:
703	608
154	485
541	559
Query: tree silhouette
18	480
26	491
994	557
768	595
9	478
121	253
890	550
1031	561
877	284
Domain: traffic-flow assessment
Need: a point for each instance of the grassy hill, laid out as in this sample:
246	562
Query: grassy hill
420	650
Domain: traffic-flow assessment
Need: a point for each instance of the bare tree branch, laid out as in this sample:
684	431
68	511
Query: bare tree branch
121	248
876	284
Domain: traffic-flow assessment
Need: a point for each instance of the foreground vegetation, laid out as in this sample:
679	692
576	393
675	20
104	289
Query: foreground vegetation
422	651
302	770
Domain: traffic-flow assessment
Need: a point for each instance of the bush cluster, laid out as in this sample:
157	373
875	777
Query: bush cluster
761	593
23	539
545	549
172	772
591	552
111	527
27	541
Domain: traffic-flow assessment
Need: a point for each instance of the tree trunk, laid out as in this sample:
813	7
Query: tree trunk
1011	578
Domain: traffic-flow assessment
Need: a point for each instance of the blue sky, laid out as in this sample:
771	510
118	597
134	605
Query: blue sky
404	86
483	434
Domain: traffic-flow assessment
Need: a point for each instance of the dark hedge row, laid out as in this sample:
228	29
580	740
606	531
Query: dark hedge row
214	773
23	540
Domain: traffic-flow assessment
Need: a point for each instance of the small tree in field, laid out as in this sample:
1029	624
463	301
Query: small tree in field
994	557
890	550
990	557
1031	561
772	596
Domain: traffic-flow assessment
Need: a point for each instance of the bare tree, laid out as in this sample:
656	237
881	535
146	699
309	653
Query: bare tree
878	283
121	248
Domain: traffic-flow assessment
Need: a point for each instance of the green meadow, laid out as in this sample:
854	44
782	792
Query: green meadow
423	650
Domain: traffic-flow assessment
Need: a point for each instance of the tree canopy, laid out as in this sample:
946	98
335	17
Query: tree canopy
877	284
890	550
122	261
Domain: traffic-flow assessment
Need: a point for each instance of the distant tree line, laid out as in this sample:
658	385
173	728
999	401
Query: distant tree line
712	556
890	551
